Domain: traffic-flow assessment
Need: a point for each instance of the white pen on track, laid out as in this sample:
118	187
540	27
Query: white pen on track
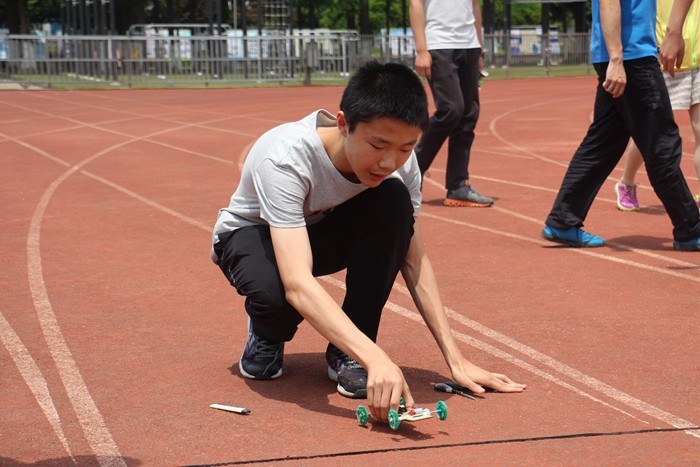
230	408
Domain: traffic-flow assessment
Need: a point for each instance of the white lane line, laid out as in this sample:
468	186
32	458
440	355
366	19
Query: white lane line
562	368
576	375
540	223
605	389
149	202
622	397
481	345
91	421
33	378
580	251
193	222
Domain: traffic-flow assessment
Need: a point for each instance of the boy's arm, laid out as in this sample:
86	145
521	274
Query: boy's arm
673	46
420	278
610	23
416	14
385	381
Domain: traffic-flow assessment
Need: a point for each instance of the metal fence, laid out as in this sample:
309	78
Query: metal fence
60	61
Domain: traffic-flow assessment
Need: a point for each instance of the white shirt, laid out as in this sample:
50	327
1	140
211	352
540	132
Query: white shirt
450	24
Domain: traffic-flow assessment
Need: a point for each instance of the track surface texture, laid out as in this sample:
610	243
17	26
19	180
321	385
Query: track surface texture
117	331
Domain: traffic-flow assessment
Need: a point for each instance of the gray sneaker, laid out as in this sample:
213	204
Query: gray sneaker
347	372
262	358
466	195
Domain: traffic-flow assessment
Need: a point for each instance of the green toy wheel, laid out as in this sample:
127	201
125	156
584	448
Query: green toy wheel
394	421
362	415
441	410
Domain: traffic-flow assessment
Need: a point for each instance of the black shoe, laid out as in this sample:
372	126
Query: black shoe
347	372
262	358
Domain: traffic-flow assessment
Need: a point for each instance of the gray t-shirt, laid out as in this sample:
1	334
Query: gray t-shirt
288	180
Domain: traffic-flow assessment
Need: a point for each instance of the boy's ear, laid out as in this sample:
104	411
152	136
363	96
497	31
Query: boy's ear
342	123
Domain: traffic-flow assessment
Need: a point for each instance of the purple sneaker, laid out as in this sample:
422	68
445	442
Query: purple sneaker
626	197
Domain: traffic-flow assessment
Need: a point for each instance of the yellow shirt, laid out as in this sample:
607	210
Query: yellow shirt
691	31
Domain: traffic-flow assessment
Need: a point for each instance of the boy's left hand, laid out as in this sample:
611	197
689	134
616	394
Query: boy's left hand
476	378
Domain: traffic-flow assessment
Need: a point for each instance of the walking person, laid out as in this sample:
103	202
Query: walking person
684	91
448	40
631	101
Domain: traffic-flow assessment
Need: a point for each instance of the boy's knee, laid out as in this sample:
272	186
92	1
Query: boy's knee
393	202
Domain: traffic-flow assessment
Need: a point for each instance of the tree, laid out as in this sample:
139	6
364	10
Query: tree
364	16
17	16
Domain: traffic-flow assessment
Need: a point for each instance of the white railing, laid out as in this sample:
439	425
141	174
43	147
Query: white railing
214	60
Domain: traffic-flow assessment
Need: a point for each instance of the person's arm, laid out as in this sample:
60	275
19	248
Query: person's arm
420	279
478	23
416	14
673	46
611	25
385	381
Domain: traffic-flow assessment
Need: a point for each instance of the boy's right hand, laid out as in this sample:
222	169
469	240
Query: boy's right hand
385	387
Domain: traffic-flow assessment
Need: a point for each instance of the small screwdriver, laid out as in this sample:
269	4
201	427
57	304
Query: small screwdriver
454	388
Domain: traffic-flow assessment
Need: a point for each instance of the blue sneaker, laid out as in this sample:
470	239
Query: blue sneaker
689	245
572	236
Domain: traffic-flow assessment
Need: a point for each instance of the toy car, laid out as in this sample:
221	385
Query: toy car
404	413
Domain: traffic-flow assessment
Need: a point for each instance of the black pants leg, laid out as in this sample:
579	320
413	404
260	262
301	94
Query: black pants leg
644	113
367	235
454	85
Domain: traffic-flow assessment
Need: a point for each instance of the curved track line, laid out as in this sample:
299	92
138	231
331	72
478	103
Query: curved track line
202	226
91	421
622	397
507	142
583	251
646	408
497	135
605	389
32	375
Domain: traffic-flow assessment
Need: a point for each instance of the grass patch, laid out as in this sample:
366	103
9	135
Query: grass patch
197	82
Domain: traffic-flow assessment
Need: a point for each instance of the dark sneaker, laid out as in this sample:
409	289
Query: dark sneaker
347	372
690	245
262	358
572	236
467	196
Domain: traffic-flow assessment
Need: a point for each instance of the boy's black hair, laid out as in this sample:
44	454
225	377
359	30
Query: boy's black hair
385	90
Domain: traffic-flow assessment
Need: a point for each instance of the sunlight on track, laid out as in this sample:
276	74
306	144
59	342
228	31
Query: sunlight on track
607	390
88	414
566	370
581	251
91	420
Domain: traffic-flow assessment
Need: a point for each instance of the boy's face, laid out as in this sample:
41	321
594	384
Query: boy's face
378	147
